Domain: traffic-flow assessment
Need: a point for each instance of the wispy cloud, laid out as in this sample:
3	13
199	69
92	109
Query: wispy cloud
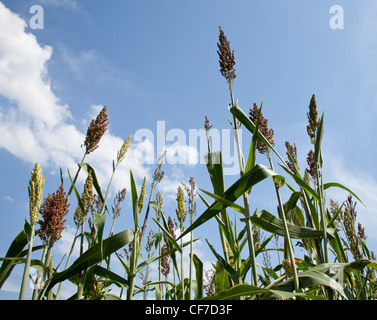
8	198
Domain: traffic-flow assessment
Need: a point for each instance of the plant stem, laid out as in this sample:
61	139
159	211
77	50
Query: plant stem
254	273
182	276
69	258
74	179
25	276
286	231
191	257
39	276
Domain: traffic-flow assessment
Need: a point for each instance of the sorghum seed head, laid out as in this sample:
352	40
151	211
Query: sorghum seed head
142	195
165	261
206	124
53	210
181	212
123	149
87	200
312	165
158	174
313	119
158	205
118	199
263	129
292	156
287	268
96	130
35	189
171	227
226	56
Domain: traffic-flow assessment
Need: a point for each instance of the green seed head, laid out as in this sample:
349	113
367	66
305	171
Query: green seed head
181	212
142	195
35	189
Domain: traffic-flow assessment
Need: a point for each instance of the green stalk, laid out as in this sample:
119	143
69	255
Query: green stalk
254	272
323	219
182	276
191	257
133	263
221	216
287	236
74	179
68	259
39	276
80	289
25	276
159	252
82	274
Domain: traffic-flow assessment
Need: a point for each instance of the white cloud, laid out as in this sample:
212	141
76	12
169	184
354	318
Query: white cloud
63	246
181	154
9	198
34	125
361	184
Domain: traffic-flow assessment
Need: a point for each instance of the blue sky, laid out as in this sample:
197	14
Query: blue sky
156	61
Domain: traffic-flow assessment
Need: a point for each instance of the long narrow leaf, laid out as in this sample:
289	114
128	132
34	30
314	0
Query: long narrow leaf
226	202
257	174
270	223
339	185
199	276
93	256
134	197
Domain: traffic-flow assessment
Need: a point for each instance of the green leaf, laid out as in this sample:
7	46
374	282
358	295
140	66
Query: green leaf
78	197
338	185
135	204
227	267
99	223
270	223
107	274
257	174
302	183
166	231
92	257
89	169
249	125
225	202
215	169
221	278
241	290
199	276
16	249
318	142
313	277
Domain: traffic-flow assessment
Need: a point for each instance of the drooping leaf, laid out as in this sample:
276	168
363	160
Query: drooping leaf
226	202
93	256
257	174
273	224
